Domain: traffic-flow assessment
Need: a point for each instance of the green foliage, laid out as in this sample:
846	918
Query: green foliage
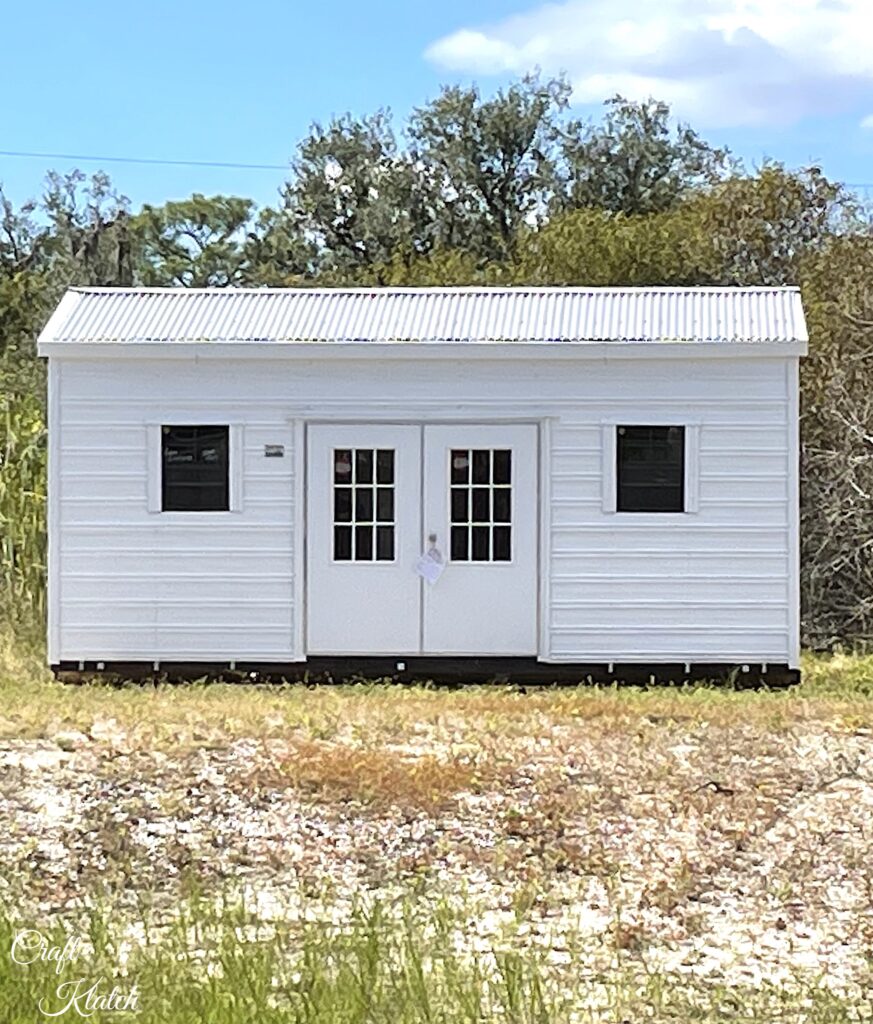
194	243
354	194
215	960
22	491
493	162
635	161
593	247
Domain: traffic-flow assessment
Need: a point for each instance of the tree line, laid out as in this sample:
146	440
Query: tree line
505	189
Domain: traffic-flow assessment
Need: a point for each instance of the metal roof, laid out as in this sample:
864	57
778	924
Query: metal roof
522	314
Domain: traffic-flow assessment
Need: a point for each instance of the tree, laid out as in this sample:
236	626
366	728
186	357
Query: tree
756	230
195	243
355	197
77	233
276	253
490	163
837	443
741	231
635	162
594	247
20	283
88	240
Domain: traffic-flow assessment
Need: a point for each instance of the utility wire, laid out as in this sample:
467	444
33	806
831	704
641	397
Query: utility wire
209	163
143	160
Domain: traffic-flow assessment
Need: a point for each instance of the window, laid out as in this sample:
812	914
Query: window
481	505
650	469
194	469
363	504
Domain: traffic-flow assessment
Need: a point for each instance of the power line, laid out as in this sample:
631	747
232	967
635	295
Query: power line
143	160
226	164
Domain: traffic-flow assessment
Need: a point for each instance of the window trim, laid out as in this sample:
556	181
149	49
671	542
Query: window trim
491	523
394	524
609	467
235	457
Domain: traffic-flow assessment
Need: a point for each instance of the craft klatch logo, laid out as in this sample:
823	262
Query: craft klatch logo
72	991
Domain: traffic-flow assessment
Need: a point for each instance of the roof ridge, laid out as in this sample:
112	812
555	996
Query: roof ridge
425	289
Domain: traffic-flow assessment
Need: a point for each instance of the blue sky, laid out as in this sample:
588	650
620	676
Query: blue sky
241	82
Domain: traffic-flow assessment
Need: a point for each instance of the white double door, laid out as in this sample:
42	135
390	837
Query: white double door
379	498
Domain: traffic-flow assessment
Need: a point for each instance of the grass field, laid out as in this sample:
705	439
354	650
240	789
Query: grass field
375	853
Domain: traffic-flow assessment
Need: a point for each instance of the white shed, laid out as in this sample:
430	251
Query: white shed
535	482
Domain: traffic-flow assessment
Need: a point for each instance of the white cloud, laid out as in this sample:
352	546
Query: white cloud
718	62
867	122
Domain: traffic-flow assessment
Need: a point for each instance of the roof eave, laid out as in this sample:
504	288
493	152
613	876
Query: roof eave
424	350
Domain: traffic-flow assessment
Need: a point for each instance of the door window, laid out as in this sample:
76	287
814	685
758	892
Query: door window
481	504
363	504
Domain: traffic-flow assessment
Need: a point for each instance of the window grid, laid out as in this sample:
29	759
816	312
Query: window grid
363	504
480	504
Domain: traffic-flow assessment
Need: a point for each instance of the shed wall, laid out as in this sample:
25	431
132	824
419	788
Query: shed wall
715	585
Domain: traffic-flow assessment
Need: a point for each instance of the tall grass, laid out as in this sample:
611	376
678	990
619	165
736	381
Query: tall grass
405	964
22	492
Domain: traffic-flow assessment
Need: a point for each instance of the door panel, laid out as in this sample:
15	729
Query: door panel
363	525
480	500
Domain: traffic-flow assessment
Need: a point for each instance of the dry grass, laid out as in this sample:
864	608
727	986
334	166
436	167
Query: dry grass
379	779
836	689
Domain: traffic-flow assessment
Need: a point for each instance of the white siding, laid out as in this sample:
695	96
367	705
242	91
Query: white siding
141	585
714	585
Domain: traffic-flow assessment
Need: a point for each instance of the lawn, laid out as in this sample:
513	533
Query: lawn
377	853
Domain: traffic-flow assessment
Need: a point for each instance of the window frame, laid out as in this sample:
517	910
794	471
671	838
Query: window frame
491	523
353	487
609	464
235	454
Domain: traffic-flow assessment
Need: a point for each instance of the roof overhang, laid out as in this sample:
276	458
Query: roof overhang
400	351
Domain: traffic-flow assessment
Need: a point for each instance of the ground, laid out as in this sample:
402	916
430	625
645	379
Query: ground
716	841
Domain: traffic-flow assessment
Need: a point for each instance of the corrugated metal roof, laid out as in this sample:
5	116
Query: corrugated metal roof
169	315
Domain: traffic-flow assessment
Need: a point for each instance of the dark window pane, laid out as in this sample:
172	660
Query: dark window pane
363	466
194	469
385	504
363	504
502	467
385	543
502	504
460	466
342	505
481	538
460	505
342	466
385	466
460	544
342	543
481	505
502	544
182	497
481	466
650	469
651	499
363	543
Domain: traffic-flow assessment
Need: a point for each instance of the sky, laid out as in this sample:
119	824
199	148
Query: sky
790	80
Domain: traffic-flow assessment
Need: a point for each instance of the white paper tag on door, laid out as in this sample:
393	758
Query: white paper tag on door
430	566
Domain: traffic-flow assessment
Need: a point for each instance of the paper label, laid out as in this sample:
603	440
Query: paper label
430	566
